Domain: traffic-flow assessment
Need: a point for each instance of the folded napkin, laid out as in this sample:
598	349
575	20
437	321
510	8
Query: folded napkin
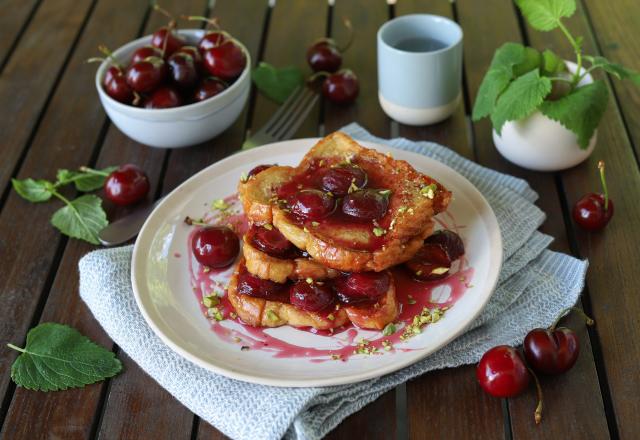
534	285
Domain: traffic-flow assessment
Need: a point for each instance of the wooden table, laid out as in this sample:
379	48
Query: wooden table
51	118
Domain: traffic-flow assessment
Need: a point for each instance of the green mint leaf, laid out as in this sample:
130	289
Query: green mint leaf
84	181
580	111
497	78
532	60
552	64
277	84
33	190
58	357
82	218
520	99
389	329
545	15
614	69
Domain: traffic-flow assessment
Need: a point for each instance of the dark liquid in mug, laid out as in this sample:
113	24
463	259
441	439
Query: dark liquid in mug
420	44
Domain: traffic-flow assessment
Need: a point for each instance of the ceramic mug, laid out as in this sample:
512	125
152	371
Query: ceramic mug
419	68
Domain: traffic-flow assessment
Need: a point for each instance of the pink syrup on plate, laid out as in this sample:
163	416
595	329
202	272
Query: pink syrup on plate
413	296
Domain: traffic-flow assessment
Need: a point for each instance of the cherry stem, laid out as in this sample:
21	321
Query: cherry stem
210	21
347	24
163	11
589	321
190	221
537	414
92	171
315	76
604	184
136	98
105	50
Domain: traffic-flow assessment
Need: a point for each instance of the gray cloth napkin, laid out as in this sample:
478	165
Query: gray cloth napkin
535	285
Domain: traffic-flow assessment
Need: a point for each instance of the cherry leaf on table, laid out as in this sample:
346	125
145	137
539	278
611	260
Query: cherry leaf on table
84	181
614	69
497	79
545	15
277	83
33	190
580	111
81	218
551	63
521	98
58	357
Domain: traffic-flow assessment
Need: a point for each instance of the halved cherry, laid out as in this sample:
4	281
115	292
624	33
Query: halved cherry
362	287
311	204
259	288
450	242
338	180
270	241
431	262
366	204
314	297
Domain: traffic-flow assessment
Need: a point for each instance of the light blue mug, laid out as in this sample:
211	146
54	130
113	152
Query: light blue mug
419	68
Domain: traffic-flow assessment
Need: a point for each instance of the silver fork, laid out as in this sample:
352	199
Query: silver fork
281	126
286	120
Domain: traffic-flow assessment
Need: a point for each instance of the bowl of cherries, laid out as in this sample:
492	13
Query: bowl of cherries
175	88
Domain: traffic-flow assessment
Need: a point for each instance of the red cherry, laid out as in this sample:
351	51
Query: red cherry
270	241
502	372
366	204
551	351
259	288
164	97
450	242
126	185
195	54
363	287
324	56
341	87
208	87
313	297
115	84
144	52
183	70
215	246
212	39
226	61
145	76
311	204
339	180
593	211
258	169
173	41
431	262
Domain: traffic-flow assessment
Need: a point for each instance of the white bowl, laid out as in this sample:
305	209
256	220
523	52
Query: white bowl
179	126
542	144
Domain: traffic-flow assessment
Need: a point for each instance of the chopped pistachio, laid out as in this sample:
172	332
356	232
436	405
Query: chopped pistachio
315	224
410	211
244	177
236	339
309	280
384	192
331	317
305	229
206	269
329	193
388	153
418	273
392	224
268	226
389	329
220	204
440	270
379	232
353	187
210	301
402	209
272	316
410	300
233	315
429	191
216	313
335	357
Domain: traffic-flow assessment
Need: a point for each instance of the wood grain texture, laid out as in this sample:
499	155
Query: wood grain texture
15	14
286	45
482	37
436	400
31	72
615	26
612	277
28	268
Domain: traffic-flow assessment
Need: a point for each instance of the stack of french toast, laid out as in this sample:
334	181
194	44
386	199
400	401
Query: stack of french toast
324	234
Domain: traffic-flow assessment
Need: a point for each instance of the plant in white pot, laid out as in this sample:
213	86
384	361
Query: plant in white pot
545	111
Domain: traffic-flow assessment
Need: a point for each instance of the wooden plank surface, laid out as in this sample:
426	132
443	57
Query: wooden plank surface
482	37
14	18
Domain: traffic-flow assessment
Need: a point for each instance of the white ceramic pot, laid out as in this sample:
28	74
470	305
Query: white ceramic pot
541	144
179	126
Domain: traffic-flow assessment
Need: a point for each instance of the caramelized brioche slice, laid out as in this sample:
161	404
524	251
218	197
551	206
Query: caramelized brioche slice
260	312
279	270
256	193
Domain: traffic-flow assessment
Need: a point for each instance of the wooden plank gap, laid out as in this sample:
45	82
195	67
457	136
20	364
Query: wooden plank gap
19	35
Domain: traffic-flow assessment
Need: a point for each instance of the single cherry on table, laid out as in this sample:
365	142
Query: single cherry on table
341	87
324	55
313	297
502	372
215	246
593	211
126	185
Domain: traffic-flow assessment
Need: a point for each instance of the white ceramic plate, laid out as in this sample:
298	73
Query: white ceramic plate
162	284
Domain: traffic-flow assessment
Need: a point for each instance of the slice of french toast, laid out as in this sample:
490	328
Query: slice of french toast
279	270
260	312
338	240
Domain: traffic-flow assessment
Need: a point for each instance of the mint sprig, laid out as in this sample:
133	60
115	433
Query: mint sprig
58	357
520	80
81	218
